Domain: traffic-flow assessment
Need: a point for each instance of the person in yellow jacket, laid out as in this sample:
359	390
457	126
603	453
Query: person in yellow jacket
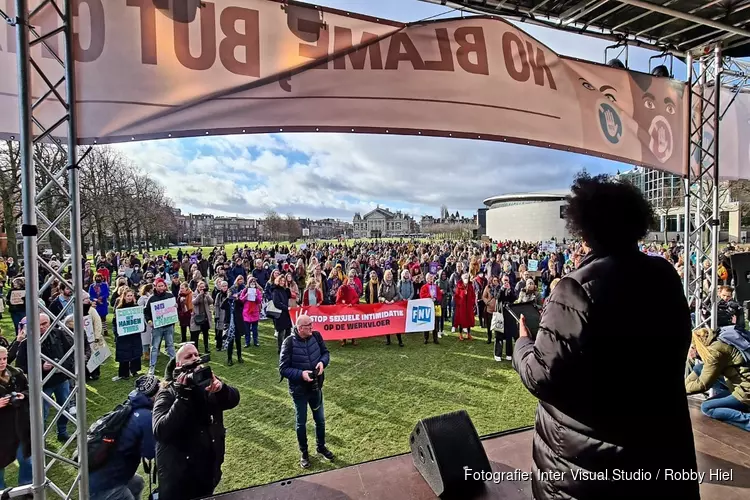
724	373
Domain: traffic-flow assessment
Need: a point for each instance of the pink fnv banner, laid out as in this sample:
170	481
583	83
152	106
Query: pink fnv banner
158	68
339	322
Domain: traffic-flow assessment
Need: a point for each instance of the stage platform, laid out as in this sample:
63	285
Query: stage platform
719	446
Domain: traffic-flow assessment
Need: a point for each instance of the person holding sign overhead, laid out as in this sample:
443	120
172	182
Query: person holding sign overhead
130	323
161	314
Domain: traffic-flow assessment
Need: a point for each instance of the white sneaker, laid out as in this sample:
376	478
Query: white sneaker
116	378
453	330
440	335
498	358
275	334
151	371
508	358
72	410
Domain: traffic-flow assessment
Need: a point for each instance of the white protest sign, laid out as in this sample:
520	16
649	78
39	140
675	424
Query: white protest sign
88	327
533	265
130	320
99	354
164	312
549	246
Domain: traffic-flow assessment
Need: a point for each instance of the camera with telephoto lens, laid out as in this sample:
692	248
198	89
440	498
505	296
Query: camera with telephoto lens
198	375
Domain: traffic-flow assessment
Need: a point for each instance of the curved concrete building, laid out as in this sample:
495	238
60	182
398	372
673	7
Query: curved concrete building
527	216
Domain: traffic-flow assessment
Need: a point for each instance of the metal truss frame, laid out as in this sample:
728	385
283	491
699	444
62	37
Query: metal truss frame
701	205
708	74
60	90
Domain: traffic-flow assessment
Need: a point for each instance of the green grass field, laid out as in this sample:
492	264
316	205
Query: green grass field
374	394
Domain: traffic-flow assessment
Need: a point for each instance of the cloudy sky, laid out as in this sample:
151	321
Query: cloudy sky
334	175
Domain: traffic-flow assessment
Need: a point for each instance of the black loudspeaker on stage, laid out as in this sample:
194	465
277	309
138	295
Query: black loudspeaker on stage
741	271
442	447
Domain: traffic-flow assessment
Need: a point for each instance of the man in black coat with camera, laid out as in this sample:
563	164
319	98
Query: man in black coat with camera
303	358
189	427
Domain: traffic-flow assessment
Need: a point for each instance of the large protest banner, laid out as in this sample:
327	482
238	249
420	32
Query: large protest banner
339	322
150	69
164	312
130	320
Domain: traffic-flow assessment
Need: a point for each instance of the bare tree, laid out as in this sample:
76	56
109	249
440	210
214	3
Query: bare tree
274	224
10	191
292	227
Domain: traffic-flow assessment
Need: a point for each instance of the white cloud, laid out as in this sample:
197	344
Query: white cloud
334	175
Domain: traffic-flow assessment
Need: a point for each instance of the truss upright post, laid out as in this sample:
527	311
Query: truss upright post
703	183
36	134
76	245
714	172
30	231
687	181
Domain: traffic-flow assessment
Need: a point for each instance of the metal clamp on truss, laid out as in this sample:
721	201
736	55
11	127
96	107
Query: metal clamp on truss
29	230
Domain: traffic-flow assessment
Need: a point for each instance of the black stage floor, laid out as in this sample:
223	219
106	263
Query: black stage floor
719	446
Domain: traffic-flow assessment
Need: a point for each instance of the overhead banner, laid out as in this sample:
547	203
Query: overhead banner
151	69
339	322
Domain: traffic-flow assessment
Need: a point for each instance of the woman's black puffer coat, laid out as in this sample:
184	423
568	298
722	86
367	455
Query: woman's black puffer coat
598	414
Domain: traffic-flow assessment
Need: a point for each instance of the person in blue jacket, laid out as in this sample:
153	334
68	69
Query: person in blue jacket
303	358
99	293
118	477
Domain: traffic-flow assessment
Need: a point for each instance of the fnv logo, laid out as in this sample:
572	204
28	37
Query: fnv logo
421	314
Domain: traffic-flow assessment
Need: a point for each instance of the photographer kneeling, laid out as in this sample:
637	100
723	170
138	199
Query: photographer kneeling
724	371
189	427
304	356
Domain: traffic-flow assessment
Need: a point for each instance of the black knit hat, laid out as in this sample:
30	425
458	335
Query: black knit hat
147	384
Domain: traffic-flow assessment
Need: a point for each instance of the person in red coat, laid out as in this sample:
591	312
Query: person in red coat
348	295
430	290
465	299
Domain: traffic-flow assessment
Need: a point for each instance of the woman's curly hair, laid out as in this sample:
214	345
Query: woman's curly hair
608	214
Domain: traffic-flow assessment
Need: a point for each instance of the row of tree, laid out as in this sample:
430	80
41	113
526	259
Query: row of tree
121	206
278	228
456	230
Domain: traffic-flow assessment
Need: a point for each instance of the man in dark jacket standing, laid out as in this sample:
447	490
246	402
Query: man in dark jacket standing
304	357
590	423
55	345
189	430
118	477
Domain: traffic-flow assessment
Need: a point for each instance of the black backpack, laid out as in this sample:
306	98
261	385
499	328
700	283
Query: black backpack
104	434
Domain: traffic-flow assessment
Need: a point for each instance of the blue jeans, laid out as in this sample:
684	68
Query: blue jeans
315	400
61	392
130	491
16	317
157	334
724	406
24	470
251	328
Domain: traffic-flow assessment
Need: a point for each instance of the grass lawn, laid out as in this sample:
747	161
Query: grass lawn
374	394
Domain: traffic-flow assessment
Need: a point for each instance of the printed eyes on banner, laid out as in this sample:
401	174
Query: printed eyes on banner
648	102
670	108
607	90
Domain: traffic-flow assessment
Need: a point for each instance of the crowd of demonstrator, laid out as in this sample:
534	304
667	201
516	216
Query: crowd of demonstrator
469	281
